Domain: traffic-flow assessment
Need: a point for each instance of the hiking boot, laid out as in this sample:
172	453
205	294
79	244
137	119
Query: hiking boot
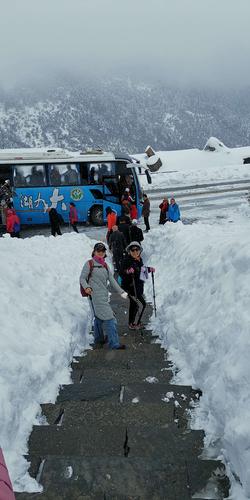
121	346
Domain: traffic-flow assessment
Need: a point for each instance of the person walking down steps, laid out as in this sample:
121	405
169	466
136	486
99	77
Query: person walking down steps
134	274
94	280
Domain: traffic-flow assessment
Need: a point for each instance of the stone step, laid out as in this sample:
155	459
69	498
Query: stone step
122	478
90	390
167	441
119	375
142	357
96	412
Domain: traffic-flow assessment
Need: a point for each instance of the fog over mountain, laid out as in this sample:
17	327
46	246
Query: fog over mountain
121	114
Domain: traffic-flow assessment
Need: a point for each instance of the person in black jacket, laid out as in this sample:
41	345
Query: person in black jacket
117	245
136	233
123	227
55	221
133	274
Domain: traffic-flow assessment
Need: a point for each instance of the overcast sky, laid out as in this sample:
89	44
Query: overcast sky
183	41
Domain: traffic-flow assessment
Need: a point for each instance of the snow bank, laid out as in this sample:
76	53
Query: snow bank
43	322
202	293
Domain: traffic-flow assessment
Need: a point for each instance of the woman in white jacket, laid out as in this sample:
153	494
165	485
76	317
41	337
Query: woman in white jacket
95	278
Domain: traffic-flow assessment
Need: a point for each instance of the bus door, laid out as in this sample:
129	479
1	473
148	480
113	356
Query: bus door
111	195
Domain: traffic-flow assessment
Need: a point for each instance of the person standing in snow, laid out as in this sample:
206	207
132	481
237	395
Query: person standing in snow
73	217
55	220
134	274
133	211
12	223
111	221
94	279
173	211
164	205
146	212
117	245
124	228
136	233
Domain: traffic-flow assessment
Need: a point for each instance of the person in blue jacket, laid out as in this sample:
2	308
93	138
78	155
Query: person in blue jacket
173	211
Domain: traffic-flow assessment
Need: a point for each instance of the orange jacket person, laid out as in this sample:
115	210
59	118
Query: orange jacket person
111	221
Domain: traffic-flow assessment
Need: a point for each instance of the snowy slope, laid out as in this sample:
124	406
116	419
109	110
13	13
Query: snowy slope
194	166
43	321
202	297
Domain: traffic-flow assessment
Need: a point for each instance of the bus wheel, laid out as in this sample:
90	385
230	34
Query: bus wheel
96	216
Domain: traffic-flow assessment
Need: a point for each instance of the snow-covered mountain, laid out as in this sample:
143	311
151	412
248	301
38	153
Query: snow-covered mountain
122	115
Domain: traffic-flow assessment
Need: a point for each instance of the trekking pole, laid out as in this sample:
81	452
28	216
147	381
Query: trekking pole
153	284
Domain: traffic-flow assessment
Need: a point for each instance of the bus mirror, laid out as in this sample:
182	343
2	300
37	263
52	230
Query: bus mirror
148	177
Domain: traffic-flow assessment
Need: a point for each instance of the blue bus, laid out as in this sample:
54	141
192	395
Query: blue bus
52	178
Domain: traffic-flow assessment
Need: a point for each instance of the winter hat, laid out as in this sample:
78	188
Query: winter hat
134	221
134	244
100	246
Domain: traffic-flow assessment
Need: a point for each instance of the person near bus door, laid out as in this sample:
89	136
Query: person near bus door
73	217
146	211
12	223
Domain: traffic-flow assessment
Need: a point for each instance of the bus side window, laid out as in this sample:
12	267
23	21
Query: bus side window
19	179
36	176
71	175
94	176
84	173
55	178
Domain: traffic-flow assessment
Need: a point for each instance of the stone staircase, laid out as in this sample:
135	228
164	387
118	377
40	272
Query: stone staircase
120	430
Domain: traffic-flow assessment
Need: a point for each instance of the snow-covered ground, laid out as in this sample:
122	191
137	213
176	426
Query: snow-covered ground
202	294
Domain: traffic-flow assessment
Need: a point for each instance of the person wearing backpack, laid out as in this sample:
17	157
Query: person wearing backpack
12	223
94	280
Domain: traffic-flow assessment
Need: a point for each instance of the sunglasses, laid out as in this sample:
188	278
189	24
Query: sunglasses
101	249
135	249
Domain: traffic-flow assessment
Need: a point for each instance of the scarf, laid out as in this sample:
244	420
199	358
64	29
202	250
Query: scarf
100	260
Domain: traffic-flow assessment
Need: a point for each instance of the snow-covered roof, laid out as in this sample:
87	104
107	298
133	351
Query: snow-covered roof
214	144
56	155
